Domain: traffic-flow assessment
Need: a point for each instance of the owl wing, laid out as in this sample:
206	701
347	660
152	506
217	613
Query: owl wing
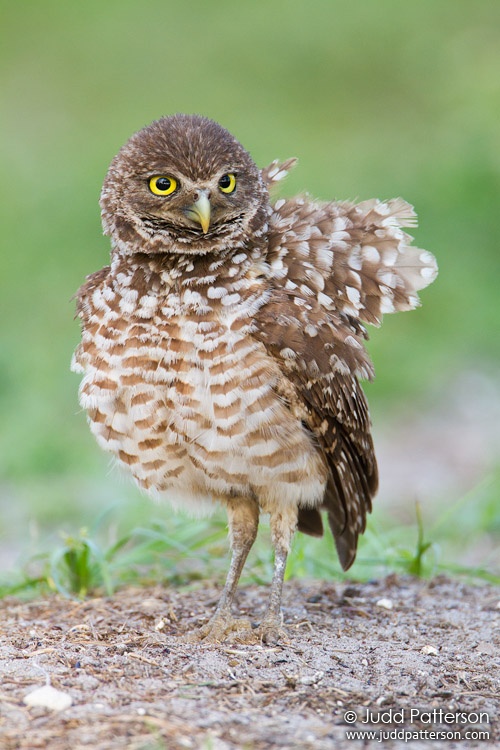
333	268
276	171
355	258
319	355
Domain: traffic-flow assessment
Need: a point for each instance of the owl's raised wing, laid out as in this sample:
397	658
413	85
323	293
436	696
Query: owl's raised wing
333	268
277	171
354	258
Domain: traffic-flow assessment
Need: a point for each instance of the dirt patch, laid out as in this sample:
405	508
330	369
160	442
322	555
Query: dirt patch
385	647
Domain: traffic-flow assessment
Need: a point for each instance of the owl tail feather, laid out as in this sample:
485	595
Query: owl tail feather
348	499
310	522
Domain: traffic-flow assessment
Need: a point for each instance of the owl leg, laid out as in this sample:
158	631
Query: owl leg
243	518
283	525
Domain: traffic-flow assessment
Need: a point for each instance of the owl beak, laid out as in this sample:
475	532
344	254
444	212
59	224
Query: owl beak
200	210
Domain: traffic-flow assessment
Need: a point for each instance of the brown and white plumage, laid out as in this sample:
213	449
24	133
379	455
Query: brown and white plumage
221	349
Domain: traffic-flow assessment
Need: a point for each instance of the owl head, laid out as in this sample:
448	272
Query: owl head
183	185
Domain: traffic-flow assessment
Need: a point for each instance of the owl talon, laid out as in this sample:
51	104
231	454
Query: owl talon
221	628
270	631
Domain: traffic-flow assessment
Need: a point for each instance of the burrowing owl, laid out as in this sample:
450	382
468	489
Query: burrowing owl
222	347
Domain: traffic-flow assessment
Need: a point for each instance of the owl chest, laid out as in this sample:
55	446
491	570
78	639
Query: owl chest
180	396
193	405
200	374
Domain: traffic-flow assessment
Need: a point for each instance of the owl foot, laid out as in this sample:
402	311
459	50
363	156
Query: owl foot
270	630
222	628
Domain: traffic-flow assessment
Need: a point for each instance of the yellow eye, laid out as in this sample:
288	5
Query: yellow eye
227	183
162	185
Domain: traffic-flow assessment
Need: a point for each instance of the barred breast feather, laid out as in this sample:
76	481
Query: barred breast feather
178	388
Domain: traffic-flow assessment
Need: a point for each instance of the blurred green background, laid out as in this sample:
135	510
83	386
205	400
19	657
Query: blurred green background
375	98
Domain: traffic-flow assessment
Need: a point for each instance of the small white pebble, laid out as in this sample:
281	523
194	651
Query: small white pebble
48	697
160	624
151	603
429	650
317	677
384	603
141	711
364	662
484	647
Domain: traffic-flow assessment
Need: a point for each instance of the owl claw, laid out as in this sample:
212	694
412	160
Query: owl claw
222	628
270	631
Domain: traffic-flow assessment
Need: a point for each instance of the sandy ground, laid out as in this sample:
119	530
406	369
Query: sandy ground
134	682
